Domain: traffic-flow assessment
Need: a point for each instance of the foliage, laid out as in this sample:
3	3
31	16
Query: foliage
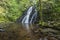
50	11
10	10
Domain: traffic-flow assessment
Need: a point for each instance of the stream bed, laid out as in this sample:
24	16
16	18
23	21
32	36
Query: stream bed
18	31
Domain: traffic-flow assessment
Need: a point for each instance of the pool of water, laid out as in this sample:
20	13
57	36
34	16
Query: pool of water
18	31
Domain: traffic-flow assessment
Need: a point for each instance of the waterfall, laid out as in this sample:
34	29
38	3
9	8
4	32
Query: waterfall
29	16
26	18
34	16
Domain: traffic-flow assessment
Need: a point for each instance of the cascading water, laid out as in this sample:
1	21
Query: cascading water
29	16
34	16
26	18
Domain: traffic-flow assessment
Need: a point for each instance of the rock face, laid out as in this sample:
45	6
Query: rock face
19	32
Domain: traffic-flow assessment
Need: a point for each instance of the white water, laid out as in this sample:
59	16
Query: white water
35	14
26	18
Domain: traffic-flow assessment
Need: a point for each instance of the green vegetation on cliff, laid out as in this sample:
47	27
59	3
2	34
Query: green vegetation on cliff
49	10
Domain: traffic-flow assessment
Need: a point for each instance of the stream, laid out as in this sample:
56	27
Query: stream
18	31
